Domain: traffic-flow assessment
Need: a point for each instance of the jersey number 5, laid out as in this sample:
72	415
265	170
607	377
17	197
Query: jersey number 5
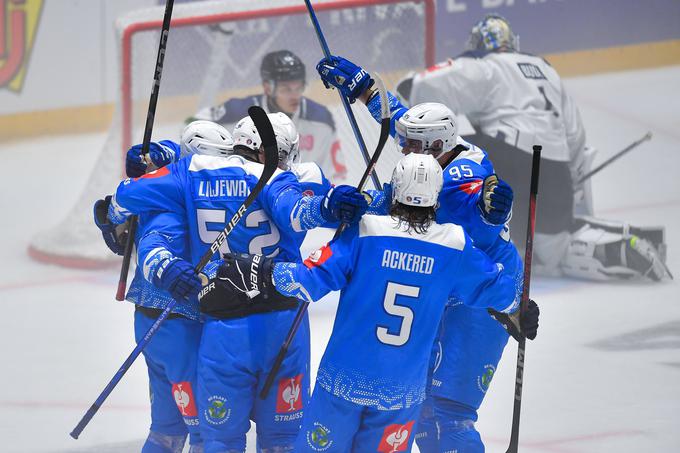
405	313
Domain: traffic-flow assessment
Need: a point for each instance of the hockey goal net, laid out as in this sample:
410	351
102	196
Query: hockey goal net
214	53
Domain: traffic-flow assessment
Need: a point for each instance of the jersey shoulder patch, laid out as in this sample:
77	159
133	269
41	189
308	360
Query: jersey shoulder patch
313	111
447	235
235	109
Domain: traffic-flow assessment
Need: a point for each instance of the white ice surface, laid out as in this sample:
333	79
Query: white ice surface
603	376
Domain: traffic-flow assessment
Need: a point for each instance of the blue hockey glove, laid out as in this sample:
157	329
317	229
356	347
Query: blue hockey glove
177	277
344	204
518	326
160	156
495	200
114	235
344	75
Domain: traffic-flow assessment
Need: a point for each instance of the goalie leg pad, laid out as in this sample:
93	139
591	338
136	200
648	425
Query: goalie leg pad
604	250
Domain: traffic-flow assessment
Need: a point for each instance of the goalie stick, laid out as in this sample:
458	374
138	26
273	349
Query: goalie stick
148	128
271	161
384	134
345	102
521	344
607	162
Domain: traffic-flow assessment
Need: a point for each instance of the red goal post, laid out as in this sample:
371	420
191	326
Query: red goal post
214	51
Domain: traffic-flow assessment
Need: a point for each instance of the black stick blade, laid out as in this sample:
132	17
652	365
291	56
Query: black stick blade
266	131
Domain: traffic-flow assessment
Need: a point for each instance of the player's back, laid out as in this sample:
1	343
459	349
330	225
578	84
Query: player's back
510	95
214	190
389	312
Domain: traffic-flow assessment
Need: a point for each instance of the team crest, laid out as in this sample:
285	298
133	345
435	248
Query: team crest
184	398
18	25
395	438
319	438
217	412
484	380
289	396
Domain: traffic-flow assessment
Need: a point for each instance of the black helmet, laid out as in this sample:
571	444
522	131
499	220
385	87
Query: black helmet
281	66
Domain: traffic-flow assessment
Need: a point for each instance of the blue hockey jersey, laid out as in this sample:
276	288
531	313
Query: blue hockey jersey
207	191
395	286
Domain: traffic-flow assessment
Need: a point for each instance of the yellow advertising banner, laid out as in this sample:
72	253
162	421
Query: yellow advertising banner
18	25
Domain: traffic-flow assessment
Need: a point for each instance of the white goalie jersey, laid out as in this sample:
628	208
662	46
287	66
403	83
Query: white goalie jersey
516	97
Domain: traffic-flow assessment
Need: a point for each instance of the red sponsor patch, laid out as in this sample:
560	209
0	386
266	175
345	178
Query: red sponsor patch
471	187
395	437
155	174
306	142
318	257
308	193
289	396
184	398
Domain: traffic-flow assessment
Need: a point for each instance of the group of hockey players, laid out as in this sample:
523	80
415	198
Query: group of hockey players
429	279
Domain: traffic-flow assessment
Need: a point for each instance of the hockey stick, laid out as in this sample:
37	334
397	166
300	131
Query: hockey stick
271	161
607	162
384	134
148	128
535	165
345	102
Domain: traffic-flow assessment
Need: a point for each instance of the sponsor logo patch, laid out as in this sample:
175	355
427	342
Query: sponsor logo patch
318	438
184	398
289	396
318	257
217	412
395	437
484	380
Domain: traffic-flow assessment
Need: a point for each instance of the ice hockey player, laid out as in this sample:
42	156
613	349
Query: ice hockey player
283	83
171	357
470	343
235	351
402	268
515	100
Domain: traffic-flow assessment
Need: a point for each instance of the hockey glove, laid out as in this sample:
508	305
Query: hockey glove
495	201
243	286
160	156
177	277
114	235
344	75
518	326
343	204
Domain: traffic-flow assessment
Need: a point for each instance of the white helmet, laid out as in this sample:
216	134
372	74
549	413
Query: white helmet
246	135
424	124
417	180
287	139
206	137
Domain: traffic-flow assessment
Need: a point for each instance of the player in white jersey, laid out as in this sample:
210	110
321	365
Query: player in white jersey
283	83
515	100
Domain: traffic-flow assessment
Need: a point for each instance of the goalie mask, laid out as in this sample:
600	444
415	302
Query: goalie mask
417	180
207	138
287	139
428	128
492	33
